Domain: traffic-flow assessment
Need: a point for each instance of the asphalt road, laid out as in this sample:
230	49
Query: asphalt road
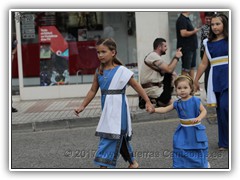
75	148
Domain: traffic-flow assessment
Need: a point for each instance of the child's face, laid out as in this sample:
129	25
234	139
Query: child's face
105	54
183	89
217	26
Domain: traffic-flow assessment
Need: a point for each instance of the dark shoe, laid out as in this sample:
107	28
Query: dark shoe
141	103
14	109
160	104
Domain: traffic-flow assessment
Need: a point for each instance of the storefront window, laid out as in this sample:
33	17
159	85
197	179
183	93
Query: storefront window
58	48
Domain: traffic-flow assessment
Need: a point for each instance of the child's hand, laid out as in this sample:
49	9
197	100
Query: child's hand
149	107
197	120
78	110
150	110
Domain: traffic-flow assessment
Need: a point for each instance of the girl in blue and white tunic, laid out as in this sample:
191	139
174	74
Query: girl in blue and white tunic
114	127
216	53
190	143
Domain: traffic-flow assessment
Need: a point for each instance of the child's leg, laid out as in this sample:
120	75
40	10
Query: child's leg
103	167
166	95
222	116
106	155
134	165
127	153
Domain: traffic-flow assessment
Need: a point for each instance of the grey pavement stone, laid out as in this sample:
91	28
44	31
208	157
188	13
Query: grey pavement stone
58	113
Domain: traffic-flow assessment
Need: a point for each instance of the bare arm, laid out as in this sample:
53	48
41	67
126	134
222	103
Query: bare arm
136	86
201	69
164	109
169	68
203	113
185	33
90	95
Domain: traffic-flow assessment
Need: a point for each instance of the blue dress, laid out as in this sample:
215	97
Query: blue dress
220	81
109	149
190	143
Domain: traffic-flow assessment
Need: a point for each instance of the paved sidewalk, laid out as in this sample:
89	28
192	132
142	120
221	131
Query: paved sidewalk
34	115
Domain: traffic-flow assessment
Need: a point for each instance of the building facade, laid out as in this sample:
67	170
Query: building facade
56	55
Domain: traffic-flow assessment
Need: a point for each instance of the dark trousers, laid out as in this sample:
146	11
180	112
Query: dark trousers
163	98
222	117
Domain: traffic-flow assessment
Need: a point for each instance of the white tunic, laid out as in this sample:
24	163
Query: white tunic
110	120
218	61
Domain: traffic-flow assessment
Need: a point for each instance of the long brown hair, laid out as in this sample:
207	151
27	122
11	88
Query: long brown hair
224	20
110	43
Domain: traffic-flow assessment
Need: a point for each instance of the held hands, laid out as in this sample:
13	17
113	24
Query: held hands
149	107
78	110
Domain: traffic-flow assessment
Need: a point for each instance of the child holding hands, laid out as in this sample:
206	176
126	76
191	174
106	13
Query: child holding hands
190	143
114	127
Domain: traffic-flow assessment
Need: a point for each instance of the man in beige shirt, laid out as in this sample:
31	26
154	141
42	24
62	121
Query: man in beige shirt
156	74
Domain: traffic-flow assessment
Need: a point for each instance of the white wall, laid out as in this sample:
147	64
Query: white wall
149	26
118	21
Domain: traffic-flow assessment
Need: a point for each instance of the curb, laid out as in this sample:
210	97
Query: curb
139	116
84	122
55	124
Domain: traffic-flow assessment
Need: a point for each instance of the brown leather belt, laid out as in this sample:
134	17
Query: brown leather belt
150	84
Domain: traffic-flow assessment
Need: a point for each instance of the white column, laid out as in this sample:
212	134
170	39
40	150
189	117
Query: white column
149	26
19	52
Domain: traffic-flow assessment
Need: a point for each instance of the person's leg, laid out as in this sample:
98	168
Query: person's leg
222	117
185	72
141	103
186	62
166	95
14	109
193	63
103	167
127	153
134	165
224	112
192	73
107	153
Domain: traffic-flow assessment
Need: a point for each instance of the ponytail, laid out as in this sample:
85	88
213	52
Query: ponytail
110	43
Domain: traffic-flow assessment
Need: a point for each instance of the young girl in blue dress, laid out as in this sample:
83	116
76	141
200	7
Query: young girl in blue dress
216	53
190	143
114	127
